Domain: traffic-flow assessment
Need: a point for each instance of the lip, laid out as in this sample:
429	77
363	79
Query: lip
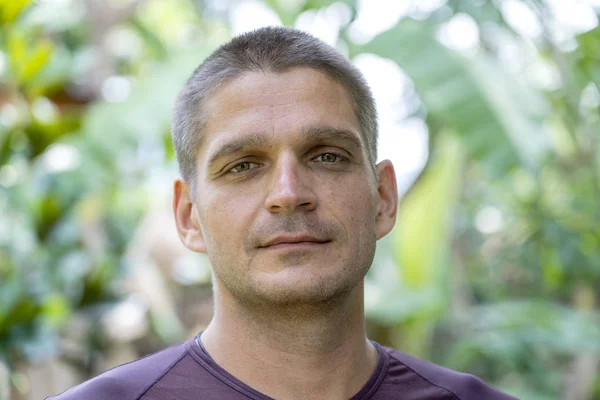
293	241
295	246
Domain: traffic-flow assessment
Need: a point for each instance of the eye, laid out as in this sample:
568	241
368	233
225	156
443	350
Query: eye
243	167
328	158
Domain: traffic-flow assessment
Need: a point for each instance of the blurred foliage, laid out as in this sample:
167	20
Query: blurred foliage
494	267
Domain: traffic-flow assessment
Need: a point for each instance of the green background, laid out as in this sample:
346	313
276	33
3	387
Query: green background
493	268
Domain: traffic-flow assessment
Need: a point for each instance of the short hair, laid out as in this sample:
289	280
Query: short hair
271	49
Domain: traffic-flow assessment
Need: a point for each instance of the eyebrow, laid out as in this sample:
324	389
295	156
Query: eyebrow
316	134
250	141
326	133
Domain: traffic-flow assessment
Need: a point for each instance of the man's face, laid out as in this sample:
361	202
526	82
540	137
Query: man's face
287	206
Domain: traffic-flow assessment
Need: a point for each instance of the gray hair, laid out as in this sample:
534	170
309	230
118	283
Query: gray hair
272	49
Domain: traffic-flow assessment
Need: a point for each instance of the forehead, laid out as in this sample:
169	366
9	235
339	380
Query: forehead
277	104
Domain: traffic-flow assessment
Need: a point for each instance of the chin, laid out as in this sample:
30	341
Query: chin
299	283
299	287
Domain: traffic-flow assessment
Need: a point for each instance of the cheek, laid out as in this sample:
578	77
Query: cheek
355	209
363	214
358	199
225	216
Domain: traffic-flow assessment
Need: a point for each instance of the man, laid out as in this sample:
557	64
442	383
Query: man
276	138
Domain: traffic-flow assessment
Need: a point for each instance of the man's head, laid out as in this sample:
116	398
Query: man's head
281	191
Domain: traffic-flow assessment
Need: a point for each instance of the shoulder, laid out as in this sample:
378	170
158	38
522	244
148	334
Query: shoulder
462	386
128	381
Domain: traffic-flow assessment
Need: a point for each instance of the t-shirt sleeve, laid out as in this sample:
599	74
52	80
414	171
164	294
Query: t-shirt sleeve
129	381
461	386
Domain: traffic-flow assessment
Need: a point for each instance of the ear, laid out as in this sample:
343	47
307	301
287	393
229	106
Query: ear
387	199
186	218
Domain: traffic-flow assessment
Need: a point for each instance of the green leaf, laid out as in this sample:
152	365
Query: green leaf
495	115
36	60
55	309
552	268
10	10
424	219
16	46
26	61
422	242
539	323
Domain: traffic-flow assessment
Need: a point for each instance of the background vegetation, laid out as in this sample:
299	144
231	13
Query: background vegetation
494	268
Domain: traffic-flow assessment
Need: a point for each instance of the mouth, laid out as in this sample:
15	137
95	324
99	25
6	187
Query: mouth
302	245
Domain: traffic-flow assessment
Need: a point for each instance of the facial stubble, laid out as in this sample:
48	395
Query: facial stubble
253	289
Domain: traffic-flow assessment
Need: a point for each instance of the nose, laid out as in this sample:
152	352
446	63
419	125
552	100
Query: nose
287	192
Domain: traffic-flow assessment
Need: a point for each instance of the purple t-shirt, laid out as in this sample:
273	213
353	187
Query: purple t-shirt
185	372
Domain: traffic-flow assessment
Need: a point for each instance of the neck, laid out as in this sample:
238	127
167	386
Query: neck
304	351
